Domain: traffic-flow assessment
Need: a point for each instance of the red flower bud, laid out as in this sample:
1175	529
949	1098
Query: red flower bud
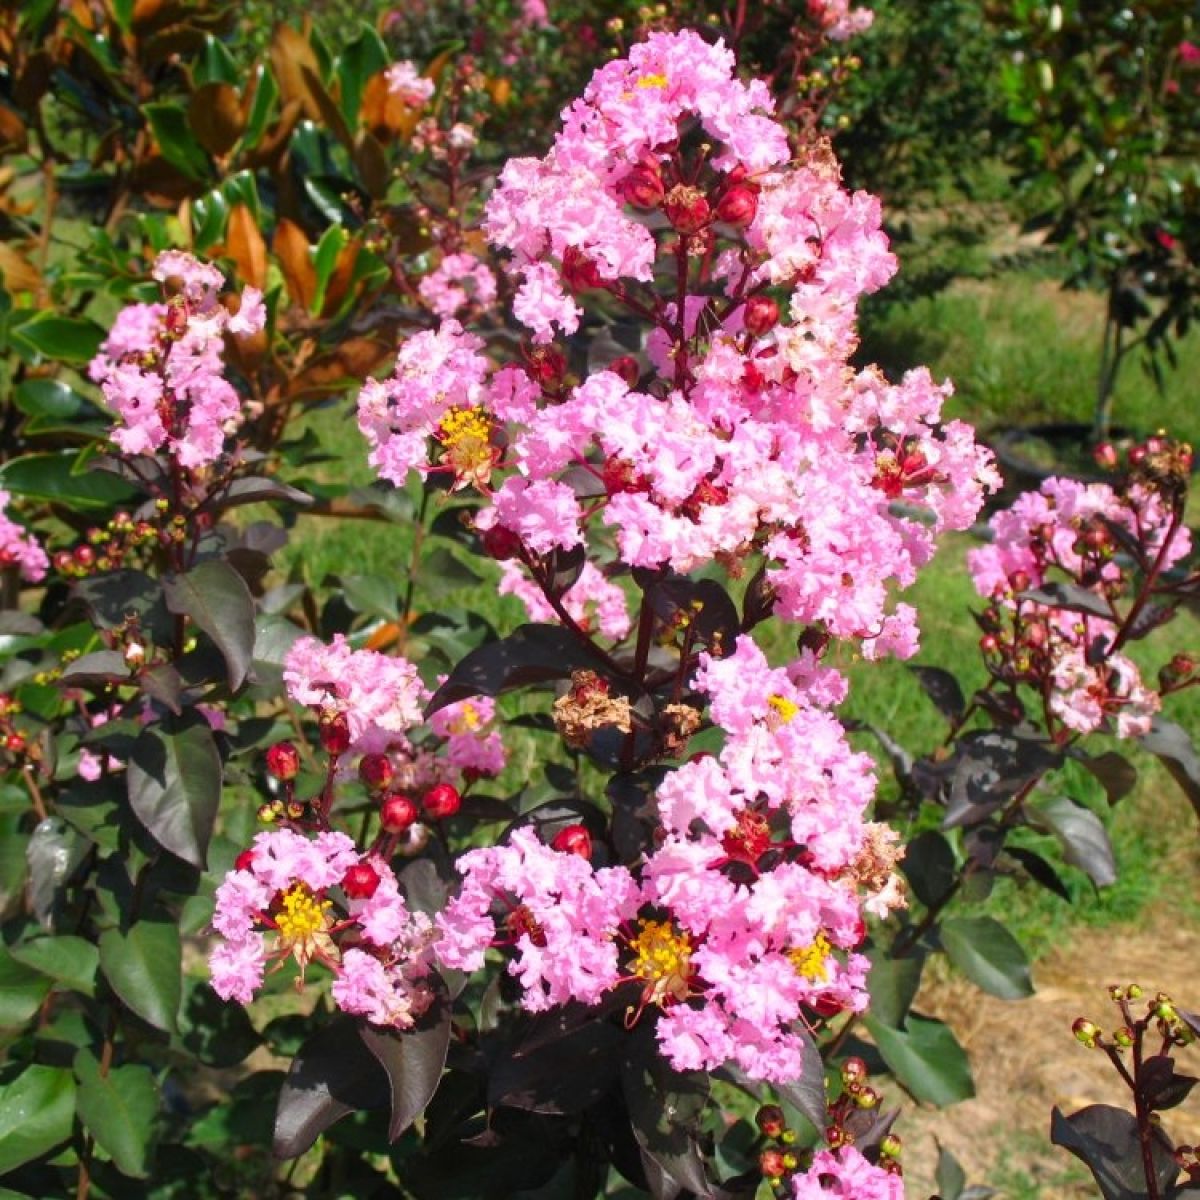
771	1120
761	315
397	813
441	801
500	543
771	1164
376	771
283	761
335	733
687	209
360	881
1105	455
84	555
547	365
244	861
854	1070
738	206
642	187
574	839
579	272
628	368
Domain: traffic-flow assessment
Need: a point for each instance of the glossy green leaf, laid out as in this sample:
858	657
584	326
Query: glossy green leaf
37	1111
119	1110
59	339
325	257
48	398
174	782
926	1058
22	990
176	140
60	477
362	58
988	955
893	983
143	967
68	960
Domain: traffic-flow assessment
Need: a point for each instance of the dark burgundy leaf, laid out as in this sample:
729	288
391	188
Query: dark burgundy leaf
807	1094
413	1060
664	1109
1039	870
1161	1085
174	781
333	1074
531	654
943	689
990	768
1081	833
1105	1139
702	603
217	599
99	667
563	1074
255	488
1177	753
929	866
1116	774
1071	597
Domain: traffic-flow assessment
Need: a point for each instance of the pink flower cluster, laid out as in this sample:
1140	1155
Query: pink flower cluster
19	549
1064	532
744	917
161	367
381	698
318	899
744	430
406	82
845	1175
460	281
838	20
592	601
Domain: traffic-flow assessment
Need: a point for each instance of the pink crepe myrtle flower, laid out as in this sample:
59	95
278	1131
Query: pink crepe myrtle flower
161	368
19	549
459	281
406	82
381	697
473	745
592	600
557	912
844	1174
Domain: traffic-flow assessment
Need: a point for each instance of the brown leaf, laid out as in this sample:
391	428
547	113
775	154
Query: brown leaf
290	245
296	69
215	115
245	245
20	275
269	152
371	164
384	113
339	281
13	135
354	359
160	183
34	81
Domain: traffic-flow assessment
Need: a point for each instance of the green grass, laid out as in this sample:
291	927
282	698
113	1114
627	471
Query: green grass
1022	351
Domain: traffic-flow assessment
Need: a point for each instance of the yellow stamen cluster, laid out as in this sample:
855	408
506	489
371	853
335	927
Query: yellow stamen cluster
652	81
813	961
467	719
662	957
785	708
465	433
303	914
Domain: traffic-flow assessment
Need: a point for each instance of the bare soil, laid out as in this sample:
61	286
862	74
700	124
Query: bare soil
1025	1060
